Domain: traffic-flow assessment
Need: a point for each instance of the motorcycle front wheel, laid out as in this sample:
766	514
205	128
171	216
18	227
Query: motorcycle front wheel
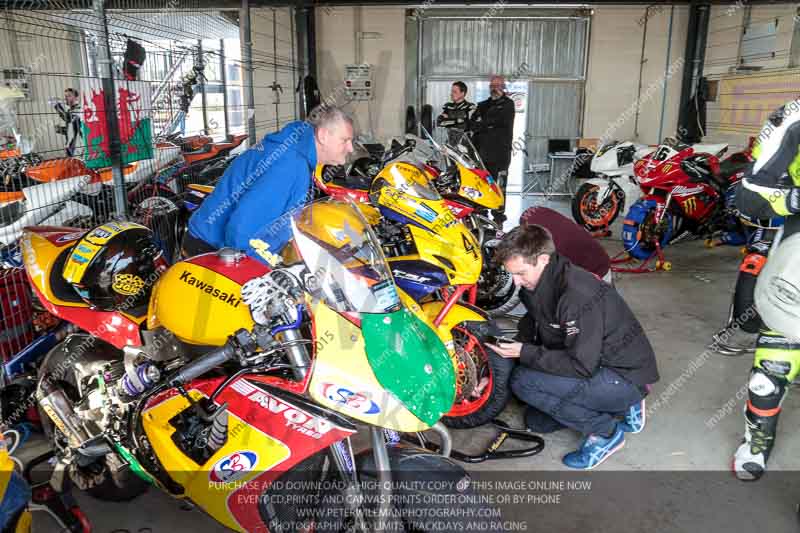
593	211
432	493
422	484
482	390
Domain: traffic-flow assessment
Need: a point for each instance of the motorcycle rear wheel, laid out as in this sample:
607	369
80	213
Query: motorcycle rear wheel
127	486
640	232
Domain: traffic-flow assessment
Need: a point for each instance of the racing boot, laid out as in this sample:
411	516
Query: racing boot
750	459
766	390
734	341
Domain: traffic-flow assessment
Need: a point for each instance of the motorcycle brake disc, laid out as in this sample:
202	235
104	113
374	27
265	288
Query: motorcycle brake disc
467	377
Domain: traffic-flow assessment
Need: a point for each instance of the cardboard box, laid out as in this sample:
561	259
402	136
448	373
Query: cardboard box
592	144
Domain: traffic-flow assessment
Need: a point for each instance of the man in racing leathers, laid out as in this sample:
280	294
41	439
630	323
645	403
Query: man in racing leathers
771	188
457	114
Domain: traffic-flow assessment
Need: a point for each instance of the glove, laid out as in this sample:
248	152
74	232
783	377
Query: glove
793	200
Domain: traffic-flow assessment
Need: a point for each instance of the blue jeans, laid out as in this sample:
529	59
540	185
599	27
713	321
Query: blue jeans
587	405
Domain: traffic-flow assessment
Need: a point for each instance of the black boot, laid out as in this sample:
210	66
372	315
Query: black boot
750	460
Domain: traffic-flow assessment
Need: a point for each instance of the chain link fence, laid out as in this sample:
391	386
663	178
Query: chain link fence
174	74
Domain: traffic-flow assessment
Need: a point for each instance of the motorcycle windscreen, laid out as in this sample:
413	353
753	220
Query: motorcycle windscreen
410	361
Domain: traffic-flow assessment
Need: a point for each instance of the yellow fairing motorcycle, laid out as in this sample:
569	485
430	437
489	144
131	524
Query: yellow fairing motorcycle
240	386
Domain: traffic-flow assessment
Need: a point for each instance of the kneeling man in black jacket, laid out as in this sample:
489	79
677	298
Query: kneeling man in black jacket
585	360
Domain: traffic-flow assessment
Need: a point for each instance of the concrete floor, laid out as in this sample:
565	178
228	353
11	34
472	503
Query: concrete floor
672	477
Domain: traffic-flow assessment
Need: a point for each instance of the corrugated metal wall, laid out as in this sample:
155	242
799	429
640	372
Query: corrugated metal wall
547	53
550	48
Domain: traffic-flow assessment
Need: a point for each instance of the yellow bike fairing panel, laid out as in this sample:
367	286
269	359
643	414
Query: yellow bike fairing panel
330	224
371	213
457	315
198	481
39	256
24	522
344	381
6	467
198	305
477	189
456	245
432	214
201	188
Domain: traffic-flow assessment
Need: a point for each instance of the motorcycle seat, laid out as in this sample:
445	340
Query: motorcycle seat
204	150
358	183
713	149
337	176
732	166
699	171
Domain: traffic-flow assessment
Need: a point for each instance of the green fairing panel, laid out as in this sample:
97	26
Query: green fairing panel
410	361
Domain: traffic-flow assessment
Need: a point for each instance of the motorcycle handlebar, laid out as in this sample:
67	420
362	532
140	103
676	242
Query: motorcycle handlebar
205	363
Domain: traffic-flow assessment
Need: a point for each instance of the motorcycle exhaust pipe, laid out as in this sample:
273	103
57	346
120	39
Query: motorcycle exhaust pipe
444	435
59	408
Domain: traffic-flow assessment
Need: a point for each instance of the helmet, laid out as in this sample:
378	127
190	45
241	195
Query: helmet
113	266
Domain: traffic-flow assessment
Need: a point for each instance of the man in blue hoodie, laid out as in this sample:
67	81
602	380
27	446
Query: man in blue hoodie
250	207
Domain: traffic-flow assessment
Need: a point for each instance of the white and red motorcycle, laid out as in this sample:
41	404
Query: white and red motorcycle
600	199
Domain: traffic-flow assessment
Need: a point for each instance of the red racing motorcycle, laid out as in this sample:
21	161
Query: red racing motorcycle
686	192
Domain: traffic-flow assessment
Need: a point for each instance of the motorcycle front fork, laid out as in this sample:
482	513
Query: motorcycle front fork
342	453
661	209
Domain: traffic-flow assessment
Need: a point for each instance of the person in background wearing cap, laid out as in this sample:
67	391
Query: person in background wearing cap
493	129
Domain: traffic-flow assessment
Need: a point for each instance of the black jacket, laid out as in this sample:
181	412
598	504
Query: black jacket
457	118
493	127
577	323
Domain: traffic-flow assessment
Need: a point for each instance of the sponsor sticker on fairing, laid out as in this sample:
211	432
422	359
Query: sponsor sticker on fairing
294	418
233	467
426	213
357	401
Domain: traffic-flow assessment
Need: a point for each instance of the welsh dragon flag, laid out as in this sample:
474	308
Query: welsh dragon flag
135	131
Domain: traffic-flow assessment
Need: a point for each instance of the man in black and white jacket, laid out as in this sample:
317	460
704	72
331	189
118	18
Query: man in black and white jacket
457	115
585	361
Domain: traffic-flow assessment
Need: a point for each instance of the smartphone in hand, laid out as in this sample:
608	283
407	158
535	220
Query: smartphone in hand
491	339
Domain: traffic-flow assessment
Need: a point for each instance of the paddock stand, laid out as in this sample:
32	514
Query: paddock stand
660	264
56	501
504	433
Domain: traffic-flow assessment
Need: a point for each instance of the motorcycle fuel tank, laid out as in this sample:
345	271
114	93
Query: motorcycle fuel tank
200	299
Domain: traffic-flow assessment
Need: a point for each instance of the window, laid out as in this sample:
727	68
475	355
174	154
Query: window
759	39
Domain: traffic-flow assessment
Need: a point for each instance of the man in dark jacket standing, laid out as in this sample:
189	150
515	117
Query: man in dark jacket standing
585	359
493	129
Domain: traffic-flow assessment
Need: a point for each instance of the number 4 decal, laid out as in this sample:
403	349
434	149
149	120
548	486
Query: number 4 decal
469	247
